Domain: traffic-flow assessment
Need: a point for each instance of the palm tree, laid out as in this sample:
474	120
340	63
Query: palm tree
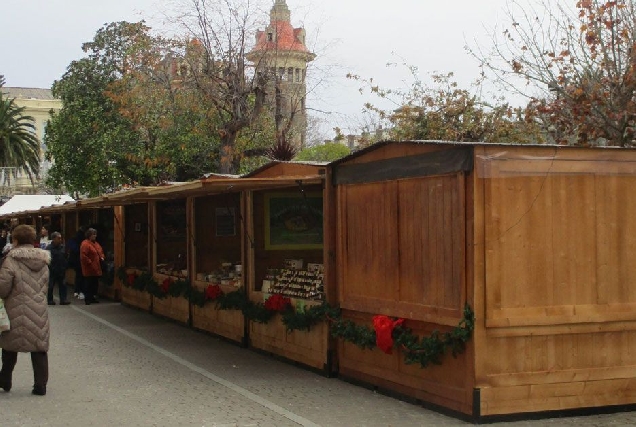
19	146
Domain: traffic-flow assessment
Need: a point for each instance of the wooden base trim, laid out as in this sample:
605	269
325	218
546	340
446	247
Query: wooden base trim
563	376
557	397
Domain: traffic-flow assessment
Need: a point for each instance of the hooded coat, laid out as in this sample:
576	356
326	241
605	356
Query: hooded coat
24	278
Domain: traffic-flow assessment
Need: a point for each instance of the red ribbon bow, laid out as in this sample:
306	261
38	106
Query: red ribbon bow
165	285
212	292
384	326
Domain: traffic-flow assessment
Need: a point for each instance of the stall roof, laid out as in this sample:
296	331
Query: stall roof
381	144
26	202
276	163
209	184
215	185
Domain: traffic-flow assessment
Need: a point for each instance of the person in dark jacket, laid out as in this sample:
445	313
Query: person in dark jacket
74	262
24	278
57	268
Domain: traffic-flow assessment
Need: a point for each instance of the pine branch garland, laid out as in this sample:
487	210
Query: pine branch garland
425	350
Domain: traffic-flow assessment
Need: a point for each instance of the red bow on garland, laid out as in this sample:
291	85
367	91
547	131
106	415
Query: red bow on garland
212	292
165	285
384	332
277	302
131	279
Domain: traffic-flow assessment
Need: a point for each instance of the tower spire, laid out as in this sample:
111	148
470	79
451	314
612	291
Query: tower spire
280	12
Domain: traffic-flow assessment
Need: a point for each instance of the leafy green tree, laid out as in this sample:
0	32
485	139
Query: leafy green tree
175	127
19	146
327	152
88	139
126	118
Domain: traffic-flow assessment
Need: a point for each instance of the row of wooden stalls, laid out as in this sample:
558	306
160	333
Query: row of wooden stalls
539	241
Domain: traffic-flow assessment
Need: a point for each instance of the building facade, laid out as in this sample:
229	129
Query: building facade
38	103
280	57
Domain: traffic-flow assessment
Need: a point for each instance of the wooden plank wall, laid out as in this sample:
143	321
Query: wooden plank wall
557	242
136	239
209	251
401	252
402	248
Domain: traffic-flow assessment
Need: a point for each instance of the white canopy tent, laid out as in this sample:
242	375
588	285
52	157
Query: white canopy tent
24	202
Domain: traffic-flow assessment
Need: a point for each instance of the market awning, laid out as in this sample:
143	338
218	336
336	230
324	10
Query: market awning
203	187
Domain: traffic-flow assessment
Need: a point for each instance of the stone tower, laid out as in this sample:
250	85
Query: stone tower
280	58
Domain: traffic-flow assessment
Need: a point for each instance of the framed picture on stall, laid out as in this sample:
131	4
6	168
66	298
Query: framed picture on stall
293	221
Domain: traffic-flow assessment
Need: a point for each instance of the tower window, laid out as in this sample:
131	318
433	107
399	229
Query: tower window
270	37
297	75
290	74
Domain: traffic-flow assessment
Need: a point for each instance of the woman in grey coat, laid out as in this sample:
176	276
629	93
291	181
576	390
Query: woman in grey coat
24	278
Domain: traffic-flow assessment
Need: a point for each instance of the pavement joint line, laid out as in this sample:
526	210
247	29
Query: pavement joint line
234	387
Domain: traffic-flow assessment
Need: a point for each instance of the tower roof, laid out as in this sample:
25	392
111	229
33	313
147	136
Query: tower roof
280	35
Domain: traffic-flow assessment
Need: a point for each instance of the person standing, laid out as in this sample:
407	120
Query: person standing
74	262
24	278
57	268
91	258
44	237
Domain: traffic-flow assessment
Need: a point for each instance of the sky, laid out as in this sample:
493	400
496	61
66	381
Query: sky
40	38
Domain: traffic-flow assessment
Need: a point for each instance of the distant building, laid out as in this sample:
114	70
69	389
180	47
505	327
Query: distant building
281	57
366	138
38	103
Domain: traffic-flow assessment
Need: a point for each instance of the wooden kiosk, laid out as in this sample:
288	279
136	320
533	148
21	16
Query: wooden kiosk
537	240
287	228
133	237
217	253
170	250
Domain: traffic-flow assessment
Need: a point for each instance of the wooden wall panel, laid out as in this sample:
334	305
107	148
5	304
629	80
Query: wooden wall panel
557	245
616	229
447	384
431	238
560	289
371	246
402	248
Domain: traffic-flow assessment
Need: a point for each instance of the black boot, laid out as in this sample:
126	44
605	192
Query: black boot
5	381
9	359
38	391
40	363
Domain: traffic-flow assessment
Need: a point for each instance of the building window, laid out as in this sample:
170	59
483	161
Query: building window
270	37
281	73
290	74
304	73
297	75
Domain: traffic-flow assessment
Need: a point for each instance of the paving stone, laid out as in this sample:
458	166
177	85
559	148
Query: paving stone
111	365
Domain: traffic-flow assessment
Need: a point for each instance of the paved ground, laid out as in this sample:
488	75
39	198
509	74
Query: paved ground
115	366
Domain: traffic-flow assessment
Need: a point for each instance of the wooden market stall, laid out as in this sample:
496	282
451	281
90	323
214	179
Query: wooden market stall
218	243
536	239
286	256
132	243
170	212
217	253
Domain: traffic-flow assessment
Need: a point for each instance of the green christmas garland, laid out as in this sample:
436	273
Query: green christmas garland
423	350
